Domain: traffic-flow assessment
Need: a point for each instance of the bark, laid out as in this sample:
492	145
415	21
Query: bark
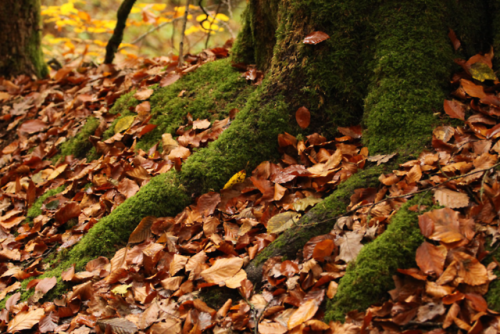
20	39
116	39
386	64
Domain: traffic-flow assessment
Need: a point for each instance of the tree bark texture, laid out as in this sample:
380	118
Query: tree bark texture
20	39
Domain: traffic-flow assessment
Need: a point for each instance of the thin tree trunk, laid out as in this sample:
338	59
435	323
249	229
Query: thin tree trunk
116	39
20	38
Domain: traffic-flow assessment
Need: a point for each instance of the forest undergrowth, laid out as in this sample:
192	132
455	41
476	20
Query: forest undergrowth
80	145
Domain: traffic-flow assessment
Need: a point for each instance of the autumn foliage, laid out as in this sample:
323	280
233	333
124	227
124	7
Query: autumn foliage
155	283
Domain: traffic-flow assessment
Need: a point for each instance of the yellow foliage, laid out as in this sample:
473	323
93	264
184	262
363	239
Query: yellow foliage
124	123
222	17
68	8
121	289
236	178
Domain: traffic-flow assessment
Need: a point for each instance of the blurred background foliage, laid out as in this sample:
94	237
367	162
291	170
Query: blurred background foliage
75	27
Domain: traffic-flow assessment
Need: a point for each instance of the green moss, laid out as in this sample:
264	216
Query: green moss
36	208
251	139
210	92
80	144
368	279
321	218
385	62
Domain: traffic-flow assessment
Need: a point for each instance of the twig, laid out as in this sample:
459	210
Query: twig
211	22
152	30
181	45
116	39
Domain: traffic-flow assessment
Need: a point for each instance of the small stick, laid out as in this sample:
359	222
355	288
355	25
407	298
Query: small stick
181	45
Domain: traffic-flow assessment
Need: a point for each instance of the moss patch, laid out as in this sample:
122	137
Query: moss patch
368	279
320	219
210	92
36	208
80	144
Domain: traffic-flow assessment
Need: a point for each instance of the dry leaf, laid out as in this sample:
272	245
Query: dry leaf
451	199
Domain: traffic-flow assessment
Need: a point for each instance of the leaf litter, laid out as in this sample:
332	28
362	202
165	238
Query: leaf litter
153	285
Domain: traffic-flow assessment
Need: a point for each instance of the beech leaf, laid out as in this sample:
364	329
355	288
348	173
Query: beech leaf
303	117
316	37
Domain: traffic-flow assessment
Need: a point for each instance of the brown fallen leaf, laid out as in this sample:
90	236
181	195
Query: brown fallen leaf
303	117
144	94
454	109
25	320
451	199
315	37
430	258
222	270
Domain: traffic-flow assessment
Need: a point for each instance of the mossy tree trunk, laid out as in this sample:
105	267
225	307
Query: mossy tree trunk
20	39
386	65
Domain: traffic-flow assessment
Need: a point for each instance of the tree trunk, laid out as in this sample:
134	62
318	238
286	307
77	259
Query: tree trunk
386	65
20	39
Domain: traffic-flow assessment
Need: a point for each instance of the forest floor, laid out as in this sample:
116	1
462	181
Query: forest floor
69	159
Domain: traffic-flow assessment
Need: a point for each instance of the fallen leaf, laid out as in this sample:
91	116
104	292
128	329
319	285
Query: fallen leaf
144	94
480	71
32	126
118	325
381	158
201	125
25	320
235	179
315	37
124	123
46	284
303	116
430	258
121	289
454	40
454	109
222	270
451	199
305	312
350	246
142	231
282	222
127	187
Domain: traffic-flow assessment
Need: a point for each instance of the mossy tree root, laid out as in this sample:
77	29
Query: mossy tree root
317	221
369	277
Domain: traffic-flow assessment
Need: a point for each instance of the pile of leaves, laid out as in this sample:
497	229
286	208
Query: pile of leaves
162	280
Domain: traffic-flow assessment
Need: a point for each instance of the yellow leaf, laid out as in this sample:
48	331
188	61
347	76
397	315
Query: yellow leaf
121	289
135	10
222	17
68	8
236	178
282	222
480	71
201	17
124	123
159	6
